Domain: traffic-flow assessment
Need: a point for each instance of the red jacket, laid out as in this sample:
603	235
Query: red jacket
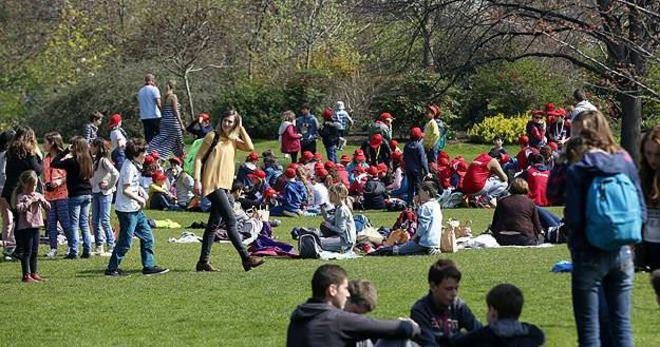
290	140
537	179
477	174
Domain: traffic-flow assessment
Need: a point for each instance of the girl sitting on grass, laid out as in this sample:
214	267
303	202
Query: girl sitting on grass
30	206
338	231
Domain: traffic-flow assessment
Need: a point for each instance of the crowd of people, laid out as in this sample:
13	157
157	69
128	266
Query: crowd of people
561	155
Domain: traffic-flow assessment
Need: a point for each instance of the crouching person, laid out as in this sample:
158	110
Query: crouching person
505	302
321	321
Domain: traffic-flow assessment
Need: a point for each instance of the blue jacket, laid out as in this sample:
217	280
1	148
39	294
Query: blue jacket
293	196
578	179
414	158
308	126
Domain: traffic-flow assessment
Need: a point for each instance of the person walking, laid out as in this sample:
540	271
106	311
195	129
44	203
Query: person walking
170	136
213	175
150	105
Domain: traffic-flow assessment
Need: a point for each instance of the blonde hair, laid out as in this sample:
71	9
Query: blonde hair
650	178
288	115
340	192
519	186
27	178
593	126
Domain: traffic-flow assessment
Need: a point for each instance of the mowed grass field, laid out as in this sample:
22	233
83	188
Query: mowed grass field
80	306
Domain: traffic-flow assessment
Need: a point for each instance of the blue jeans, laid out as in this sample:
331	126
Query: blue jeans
613	271
79	214
547	218
59	212
101	219
410	248
133	223
331	152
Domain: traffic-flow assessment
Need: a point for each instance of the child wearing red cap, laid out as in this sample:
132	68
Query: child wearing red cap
181	183
398	183
359	161
293	196
435	133
374	191
331	134
536	127
377	151
200	126
383	126
415	162
118	140
159	196
320	191
248	167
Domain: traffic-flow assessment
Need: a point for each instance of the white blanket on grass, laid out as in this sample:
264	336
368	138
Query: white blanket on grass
488	241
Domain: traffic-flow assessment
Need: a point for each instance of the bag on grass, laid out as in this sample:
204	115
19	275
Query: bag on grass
309	246
614	218
448	241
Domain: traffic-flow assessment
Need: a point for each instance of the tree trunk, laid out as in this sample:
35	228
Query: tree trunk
631	124
190	100
427	27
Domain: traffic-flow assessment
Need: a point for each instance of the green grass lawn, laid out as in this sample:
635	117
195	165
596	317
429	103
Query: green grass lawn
80	306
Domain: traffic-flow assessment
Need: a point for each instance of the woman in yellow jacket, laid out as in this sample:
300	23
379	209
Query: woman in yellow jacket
214	175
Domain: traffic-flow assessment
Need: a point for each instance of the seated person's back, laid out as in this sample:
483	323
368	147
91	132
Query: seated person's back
516	219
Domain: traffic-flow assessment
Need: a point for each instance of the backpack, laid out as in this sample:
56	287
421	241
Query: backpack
614	218
361	222
309	246
189	160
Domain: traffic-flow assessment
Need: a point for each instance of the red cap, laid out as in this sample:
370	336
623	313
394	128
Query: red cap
318	156
253	156
359	169
382	168
149	159
327	113
397	156
553	145
538	113
523	140
345	159
443	162
307	156
259	173
155	155
321	173
443	154
416	133
394	144
114	120
293	166
290	173
376	140
372	170
435	109
461	166
549	107
158	176
385	116
205	116
329	165
318	165
562	112
504	158
360	157
270	192
175	160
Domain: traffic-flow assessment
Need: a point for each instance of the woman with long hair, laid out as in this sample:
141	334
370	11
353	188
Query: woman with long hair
77	162
170	138
55	191
650	175
22	155
103	182
213	175
596	269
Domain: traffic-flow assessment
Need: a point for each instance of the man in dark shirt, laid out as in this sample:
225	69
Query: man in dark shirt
442	314
321	321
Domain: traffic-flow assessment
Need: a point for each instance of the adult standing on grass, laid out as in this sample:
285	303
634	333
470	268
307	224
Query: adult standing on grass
150	105
289	136
22	155
77	162
170	136
214	174
595	268
308	126
650	175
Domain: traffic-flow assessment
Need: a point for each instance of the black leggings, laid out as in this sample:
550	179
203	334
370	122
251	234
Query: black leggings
27	249
221	209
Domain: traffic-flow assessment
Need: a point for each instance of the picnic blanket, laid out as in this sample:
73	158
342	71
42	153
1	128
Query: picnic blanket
488	241
327	255
266	246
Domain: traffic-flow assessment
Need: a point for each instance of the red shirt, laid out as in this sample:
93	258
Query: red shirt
51	174
477	174
522	157
343	175
538	184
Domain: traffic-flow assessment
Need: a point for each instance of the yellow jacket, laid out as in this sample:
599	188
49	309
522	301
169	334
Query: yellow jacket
431	134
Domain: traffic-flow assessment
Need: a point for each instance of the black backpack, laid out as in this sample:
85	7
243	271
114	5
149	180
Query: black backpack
309	246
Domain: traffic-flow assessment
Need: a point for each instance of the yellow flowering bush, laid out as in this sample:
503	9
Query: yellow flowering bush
508	128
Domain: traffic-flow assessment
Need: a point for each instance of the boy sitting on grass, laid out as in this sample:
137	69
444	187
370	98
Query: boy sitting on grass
441	314
505	302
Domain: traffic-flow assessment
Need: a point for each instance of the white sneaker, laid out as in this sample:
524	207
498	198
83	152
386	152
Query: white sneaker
99	250
107	253
52	253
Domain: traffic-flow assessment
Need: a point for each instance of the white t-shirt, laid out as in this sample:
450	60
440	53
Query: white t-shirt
582	106
320	192
147	96
116	138
129	175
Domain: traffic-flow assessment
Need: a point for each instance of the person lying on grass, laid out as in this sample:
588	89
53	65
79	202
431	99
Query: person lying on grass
505	303
322	321
441	313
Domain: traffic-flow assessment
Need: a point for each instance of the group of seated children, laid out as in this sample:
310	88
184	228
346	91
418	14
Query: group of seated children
334	315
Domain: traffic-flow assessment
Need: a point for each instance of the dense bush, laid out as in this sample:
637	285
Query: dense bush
508	128
406	99
513	88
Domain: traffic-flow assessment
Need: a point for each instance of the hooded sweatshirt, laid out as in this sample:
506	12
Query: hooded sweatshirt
440	324
578	179
317	323
503	333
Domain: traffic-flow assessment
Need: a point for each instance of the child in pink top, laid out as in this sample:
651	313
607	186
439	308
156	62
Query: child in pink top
30	207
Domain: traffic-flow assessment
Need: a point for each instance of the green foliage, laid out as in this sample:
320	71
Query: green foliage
509	128
406	99
513	88
262	104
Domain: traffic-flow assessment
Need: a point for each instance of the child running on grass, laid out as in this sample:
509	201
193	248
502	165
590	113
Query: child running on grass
30	206
130	201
